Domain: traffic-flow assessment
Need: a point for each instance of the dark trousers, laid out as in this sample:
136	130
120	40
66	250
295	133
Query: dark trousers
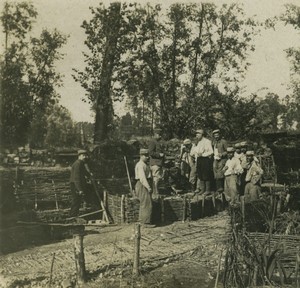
75	202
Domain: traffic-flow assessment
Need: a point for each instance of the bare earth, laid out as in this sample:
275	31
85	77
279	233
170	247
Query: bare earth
175	255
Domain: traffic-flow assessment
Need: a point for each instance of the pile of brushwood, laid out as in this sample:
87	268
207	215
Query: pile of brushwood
264	247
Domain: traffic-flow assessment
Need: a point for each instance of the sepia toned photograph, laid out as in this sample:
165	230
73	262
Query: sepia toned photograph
151	144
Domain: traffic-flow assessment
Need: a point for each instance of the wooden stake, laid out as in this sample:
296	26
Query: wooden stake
136	258
184	209
122	210
51	269
162	216
203	200
79	259
218	272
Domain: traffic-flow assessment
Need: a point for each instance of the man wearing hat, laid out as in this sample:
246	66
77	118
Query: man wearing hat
78	182
156	152
203	152
220	158
237	153
232	170
253	176
187	162
143	188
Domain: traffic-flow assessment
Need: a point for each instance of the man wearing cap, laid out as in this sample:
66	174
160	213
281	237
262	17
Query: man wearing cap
232	170
156	153
253	176
78	182
220	158
187	162
142	187
237	153
203	152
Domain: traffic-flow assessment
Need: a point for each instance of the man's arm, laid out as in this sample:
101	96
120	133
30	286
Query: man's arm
77	176
142	177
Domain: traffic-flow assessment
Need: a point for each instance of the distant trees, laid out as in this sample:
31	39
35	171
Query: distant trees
180	66
292	17
28	77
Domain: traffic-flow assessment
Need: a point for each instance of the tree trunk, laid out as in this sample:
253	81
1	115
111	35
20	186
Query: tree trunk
104	106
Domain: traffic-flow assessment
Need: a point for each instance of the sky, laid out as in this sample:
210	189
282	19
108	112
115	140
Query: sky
269	68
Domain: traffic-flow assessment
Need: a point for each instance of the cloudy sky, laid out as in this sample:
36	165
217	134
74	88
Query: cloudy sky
269	68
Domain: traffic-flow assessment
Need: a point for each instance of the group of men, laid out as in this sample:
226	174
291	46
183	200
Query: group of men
234	171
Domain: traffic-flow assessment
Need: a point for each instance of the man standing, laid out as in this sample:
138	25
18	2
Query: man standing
188	164
237	153
143	189
156	153
232	170
78	182
253	176
220	153
203	153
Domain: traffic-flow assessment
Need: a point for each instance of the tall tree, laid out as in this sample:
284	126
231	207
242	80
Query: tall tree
28	76
292	17
103	33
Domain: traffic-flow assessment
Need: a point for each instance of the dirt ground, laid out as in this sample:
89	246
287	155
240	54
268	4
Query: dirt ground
175	255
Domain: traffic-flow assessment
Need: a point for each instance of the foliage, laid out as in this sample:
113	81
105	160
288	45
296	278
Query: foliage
292	17
28	77
175	64
60	128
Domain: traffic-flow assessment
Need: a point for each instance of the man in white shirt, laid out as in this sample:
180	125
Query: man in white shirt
143	189
253	176
203	152
232	172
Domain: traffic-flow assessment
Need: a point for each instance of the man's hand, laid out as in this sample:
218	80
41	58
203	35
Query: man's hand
80	193
225	168
161	155
199	154
149	190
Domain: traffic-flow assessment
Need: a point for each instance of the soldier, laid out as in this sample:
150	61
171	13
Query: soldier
78	182
232	171
143	189
220	153
203	153
237	153
156	153
253	176
188	163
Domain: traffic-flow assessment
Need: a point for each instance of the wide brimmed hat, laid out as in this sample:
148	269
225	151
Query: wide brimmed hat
216	131
187	142
244	144
250	153
82	151
237	145
230	149
144	151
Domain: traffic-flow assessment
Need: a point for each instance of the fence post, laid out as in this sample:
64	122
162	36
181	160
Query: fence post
79	258
137	240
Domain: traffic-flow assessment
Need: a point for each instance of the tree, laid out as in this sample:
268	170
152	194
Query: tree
103	33
292	17
28	77
60	128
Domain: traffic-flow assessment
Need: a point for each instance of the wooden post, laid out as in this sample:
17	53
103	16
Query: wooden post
79	258
136	258
184	209
203	200
162	216
122	209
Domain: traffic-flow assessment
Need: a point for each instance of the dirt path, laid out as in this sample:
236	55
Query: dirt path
109	252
